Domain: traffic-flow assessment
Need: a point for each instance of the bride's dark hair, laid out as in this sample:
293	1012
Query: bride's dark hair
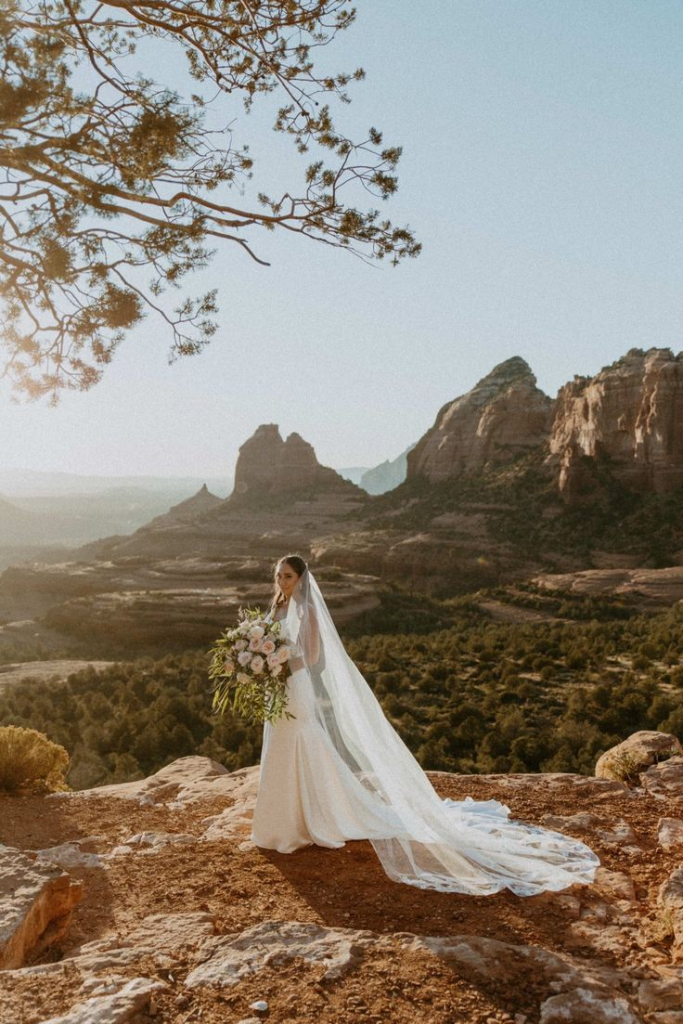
298	565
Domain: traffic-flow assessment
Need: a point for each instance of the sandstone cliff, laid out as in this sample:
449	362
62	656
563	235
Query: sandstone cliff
504	415
629	417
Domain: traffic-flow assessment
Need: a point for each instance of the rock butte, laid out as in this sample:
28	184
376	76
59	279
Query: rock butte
504	415
268	466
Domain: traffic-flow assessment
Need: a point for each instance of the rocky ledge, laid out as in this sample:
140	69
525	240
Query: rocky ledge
155	905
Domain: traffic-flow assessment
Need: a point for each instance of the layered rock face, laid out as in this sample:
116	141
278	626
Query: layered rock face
267	466
504	415
629	416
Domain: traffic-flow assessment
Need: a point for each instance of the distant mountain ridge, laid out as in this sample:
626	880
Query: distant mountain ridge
387	475
507	484
35	483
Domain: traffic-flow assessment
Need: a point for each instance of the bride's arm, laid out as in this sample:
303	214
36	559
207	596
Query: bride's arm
311	641
308	644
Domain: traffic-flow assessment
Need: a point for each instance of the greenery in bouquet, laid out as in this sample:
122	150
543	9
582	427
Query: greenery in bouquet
249	668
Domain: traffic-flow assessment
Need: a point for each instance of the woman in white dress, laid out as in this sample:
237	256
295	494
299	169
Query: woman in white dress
339	771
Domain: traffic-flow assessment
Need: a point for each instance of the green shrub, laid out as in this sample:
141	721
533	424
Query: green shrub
30	761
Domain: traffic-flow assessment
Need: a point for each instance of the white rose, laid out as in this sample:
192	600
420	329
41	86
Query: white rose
256	632
244	657
255	644
283	654
257	664
273	659
240	645
267	646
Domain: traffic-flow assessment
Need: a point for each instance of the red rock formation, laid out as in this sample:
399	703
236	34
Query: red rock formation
628	417
268	466
504	415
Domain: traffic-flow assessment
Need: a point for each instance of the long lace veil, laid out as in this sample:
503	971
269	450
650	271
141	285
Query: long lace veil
465	846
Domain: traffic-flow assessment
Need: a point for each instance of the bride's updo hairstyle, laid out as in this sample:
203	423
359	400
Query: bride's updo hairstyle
297	564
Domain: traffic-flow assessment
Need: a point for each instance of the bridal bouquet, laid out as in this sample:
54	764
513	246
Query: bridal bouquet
249	668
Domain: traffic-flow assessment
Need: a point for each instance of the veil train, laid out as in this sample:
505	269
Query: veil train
433	843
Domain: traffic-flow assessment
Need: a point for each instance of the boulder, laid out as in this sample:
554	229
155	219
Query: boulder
36	901
635	754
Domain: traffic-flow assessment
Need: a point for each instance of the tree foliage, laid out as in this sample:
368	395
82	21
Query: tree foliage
467	694
108	177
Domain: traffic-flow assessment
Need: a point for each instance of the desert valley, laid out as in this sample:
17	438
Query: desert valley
511	587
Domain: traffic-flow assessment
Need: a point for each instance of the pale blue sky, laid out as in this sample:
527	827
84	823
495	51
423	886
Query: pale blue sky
542	170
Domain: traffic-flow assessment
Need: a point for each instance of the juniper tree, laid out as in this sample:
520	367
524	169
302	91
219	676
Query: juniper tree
114	187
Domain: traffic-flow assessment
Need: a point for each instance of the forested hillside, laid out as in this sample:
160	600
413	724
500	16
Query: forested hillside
467	694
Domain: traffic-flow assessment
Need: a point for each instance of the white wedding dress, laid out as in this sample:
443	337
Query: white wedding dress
307	792
338	771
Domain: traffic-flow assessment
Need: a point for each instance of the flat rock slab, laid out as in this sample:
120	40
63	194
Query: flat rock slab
665	585
582	1006
616	834
664	779
271	943
583	784
670	834
70	855
173	933
113	1008
615	883
670	900
236	821
182	782
661	994
36	900
152	842
594	993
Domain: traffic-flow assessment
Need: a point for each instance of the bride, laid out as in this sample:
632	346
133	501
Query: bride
338	770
